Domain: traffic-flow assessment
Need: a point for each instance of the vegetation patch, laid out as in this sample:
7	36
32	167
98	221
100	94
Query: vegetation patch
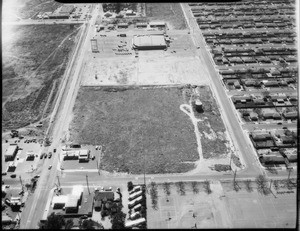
34	58
214	140
136	127
167	12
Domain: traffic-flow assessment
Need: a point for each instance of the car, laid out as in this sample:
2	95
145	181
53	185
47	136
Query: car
13	175
21	192
50	166
45	155
49	155
7	201
62	168
54	150
284	128
36	176
7	186
93	157
42	156
279	123
4	173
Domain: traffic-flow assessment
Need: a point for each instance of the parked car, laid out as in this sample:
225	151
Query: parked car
4	173
93	157
45	155
49	155
42	156
7	201
37	176
50	166
54	150
13	175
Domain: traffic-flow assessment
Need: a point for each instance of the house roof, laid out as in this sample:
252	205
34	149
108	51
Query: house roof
72	201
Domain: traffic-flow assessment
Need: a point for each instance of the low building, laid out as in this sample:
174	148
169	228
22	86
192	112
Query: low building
11	152
149	42
290	115
71	205
84	155
253	116
122	25
67	9
102	197
58	202
261	136
141	24
157	24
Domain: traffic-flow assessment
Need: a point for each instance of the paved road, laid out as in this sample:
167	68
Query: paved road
33	213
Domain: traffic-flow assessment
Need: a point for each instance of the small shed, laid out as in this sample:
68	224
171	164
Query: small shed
157	24
123	25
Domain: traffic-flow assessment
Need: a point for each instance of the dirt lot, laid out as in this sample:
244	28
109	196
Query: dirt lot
168	12
215	142
133	122
34	60
223	208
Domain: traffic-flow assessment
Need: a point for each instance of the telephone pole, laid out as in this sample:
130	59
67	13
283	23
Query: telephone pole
87	183
21	182
58	181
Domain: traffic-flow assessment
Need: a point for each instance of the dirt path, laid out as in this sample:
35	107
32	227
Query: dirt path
187	109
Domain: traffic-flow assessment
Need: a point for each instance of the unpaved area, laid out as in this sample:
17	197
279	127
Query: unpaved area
135	124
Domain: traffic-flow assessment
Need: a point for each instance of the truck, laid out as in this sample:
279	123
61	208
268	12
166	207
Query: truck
134	223
135	189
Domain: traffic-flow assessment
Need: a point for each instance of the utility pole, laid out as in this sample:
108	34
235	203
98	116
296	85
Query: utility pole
290	170
270	184
87	183
58	181
21	182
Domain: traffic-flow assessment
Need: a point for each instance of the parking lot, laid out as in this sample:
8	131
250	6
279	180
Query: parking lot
24	168
223	208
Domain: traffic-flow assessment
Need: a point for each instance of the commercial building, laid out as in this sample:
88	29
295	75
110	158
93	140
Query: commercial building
149	42
84	155
157	24
11	152
66	9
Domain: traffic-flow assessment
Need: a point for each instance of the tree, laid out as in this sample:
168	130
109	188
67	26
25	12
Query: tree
69	224
207	187
129	186
195	187
248	185
166	187
27	186
180	188
54	221
153	194
118	7
262	187
118	220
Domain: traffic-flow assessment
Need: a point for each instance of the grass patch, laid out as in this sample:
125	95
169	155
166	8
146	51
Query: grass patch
32	60
131	124
214	141
168	12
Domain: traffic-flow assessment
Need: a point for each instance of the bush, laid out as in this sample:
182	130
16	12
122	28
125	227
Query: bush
129	186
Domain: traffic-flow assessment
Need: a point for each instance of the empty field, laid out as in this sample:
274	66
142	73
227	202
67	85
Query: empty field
14	10
168	12
131	124
34	60
215	142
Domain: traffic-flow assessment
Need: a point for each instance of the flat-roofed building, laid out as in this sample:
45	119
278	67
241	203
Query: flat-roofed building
11	152
149	42
72	204
59	202
157	24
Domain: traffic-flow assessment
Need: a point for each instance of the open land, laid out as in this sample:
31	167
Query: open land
16	10
168	12
34	60
222	208
133	123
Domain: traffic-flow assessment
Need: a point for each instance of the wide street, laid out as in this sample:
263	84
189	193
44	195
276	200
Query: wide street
60	120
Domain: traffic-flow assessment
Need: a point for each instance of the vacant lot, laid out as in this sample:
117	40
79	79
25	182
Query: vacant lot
167	12
215	142
34	60
23	9
132	124
222	208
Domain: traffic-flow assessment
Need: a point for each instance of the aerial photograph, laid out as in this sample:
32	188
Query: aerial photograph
150	115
